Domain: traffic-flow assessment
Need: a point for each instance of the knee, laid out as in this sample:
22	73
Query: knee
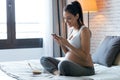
43	59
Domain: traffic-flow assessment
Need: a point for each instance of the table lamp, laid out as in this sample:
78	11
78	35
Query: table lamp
88	6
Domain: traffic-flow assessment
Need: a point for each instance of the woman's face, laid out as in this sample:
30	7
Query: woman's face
70	19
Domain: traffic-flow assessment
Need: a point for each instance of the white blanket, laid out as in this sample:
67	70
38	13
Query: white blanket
21	71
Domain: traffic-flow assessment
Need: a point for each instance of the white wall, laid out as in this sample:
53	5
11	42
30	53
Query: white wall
21	54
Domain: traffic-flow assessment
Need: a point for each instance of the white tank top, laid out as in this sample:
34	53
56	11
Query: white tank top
75	40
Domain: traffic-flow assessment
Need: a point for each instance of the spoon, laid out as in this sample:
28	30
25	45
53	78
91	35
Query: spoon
34	71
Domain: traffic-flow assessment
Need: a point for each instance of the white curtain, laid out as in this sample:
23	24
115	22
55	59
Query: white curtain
58	25
47	28
52	12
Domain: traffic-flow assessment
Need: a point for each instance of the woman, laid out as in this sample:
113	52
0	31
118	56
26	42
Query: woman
77	60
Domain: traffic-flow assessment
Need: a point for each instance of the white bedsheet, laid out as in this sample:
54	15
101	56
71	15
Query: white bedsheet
3	76
21	71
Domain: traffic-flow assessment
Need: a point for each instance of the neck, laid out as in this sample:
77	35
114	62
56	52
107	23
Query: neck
76	27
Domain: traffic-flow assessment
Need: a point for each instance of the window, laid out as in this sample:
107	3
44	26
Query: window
3	26
21	23
28	18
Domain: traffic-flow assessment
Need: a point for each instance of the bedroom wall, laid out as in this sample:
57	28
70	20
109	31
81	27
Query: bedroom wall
104	22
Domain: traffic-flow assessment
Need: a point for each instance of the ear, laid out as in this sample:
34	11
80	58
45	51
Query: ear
77	16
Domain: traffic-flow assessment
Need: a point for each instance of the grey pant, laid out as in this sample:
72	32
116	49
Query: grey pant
66	67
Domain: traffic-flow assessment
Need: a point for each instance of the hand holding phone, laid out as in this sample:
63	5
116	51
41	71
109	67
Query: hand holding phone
55	36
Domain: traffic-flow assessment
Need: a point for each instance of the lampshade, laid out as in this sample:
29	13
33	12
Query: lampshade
88	5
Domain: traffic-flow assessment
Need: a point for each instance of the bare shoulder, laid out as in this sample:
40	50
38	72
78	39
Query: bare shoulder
85	31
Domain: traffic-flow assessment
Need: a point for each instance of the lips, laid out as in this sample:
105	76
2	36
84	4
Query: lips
69	24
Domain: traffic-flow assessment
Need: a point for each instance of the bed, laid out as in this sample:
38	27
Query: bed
106	61
20	70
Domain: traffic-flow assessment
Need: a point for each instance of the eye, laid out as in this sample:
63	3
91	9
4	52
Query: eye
67	19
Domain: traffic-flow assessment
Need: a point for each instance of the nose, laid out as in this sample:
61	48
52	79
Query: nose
66	20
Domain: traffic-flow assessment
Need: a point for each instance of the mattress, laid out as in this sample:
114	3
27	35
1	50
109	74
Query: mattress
20	70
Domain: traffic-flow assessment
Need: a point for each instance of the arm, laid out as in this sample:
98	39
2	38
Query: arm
65	50
84	50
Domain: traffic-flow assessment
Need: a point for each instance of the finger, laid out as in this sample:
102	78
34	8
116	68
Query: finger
56	37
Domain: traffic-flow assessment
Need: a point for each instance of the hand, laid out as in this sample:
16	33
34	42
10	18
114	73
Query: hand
60	40
53	34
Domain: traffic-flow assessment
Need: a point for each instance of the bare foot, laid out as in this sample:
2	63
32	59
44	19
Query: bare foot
56	72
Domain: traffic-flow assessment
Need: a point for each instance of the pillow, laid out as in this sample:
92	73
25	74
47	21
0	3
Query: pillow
117	60
107	51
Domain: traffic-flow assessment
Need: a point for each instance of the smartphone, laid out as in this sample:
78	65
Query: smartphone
53	34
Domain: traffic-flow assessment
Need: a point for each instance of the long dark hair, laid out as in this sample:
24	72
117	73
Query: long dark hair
75	8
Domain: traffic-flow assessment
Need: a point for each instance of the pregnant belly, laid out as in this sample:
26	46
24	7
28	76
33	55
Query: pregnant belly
68	55
72	57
